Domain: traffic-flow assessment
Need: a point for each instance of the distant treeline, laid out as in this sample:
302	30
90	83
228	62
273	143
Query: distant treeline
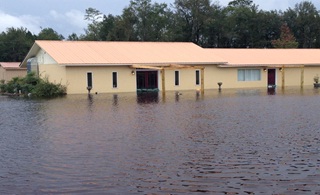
241	24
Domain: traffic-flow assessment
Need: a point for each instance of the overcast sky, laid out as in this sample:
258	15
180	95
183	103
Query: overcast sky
67	16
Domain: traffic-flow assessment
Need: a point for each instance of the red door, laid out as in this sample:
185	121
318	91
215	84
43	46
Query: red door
271	77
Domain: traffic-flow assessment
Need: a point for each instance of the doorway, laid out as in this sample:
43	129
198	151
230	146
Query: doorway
272	78
147	81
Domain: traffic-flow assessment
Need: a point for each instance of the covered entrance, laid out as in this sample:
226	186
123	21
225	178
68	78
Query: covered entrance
271	78
147	76
147	80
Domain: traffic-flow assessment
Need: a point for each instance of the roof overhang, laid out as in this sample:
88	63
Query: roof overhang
266	65
166	66
32	53
151	64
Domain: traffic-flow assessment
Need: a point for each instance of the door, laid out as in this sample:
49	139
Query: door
147	80
271	77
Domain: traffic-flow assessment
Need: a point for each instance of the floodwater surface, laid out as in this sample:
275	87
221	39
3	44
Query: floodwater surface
232	142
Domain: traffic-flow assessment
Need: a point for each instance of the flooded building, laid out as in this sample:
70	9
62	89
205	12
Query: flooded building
113	67
9	70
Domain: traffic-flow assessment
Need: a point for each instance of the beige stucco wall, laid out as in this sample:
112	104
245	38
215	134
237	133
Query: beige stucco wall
101	79
75	78
55	73
212	75
293	76
8	74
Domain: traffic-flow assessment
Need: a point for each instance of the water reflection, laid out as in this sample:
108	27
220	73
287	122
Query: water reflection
271	91
217	143
147	97
115	100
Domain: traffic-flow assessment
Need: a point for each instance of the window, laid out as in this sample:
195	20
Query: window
89	79
176	78
114	80
197	77
249	75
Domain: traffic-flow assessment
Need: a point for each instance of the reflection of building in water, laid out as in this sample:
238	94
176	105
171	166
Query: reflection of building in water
271	91
147	97
114	67
115	100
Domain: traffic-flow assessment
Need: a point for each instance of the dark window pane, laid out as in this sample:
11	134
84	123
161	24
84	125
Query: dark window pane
176	74
197	77
89	79
114	80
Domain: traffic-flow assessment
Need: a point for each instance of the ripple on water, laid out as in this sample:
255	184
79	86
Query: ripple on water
234	142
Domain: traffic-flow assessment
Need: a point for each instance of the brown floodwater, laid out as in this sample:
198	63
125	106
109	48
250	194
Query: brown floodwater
229	142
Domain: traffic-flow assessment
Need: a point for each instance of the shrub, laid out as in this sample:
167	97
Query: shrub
31	83
46	89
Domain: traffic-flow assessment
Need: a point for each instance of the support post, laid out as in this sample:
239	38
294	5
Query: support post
202	81
302	76
163	79
283	77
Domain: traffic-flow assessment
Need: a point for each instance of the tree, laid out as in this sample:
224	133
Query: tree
149	22
93	16
107	25
124	27
242	23
15	44
191	17
49	34
73	37
304	21
286	40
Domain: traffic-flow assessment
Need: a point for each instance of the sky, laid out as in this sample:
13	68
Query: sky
67	16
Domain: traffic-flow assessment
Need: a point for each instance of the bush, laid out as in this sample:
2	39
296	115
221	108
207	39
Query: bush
46	89
33	84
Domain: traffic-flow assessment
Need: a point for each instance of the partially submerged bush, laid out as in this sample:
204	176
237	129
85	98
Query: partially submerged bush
46	89
32	84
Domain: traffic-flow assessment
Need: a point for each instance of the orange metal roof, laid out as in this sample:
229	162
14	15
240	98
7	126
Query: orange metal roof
126	53
265	57
10	65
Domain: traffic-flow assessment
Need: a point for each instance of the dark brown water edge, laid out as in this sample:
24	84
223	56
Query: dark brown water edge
234	142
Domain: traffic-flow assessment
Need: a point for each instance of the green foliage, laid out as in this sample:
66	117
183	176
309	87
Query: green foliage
32	84
45	89
49	34
15	44
2	86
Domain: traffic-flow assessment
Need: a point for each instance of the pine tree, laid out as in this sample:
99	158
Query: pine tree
286	40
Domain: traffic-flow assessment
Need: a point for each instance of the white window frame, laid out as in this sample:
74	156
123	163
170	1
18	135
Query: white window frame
249	75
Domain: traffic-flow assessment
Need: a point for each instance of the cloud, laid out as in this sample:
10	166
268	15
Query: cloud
76	18
68	22
32	23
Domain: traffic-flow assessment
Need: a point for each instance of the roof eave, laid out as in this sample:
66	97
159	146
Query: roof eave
151	64
32	52
265	65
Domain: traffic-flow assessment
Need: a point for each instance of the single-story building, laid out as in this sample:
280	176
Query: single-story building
113	67
8	70
267	67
